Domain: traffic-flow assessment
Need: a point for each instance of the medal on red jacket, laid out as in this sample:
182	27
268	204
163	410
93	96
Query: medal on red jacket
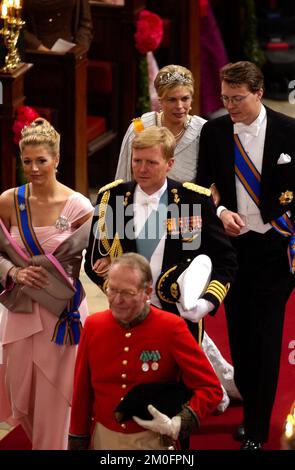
147	356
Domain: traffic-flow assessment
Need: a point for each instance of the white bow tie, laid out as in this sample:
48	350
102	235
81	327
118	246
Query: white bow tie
252	129
142	199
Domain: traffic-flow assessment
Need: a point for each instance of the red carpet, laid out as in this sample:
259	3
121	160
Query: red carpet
216	432
16	440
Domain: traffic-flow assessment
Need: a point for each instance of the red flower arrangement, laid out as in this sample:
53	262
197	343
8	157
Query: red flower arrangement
149	31
203	8
148	37
24	116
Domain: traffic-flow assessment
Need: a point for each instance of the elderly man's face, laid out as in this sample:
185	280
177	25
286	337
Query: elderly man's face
126	294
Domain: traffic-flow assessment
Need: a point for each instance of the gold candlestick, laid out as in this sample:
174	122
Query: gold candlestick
12	24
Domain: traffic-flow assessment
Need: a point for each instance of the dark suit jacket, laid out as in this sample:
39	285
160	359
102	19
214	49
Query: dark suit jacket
216	163
213	240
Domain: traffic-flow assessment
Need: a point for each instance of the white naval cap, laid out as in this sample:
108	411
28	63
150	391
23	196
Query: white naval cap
194	280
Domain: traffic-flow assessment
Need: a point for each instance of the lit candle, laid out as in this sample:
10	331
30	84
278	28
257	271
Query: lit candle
4	11
17	9
10	8
288	438
289	426
9	4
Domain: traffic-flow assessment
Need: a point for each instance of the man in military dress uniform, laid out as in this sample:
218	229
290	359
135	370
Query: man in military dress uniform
167	222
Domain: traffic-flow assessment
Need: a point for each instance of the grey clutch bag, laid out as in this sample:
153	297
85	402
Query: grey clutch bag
54	296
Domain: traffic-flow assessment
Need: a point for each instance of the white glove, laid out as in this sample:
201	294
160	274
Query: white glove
195	314
160	423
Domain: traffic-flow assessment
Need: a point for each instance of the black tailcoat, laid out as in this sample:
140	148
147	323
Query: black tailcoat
255	306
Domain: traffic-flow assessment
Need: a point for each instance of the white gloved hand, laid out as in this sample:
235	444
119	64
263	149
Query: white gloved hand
160	423
195	314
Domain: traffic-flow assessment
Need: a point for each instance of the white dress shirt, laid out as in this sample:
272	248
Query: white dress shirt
143	206
252	138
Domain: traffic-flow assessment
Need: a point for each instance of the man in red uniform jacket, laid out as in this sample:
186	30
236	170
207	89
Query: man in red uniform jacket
129	344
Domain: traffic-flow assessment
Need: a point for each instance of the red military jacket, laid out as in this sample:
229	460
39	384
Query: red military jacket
112	359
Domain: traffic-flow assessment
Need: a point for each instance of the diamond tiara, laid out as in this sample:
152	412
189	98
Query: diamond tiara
168	78
47	131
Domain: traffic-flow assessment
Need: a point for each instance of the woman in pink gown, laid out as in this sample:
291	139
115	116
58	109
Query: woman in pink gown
36	374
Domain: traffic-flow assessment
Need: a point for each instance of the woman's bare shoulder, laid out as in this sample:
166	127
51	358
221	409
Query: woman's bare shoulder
65	190
7	198
6	204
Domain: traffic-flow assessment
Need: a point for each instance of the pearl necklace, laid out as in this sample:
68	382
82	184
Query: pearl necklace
179	135
160	122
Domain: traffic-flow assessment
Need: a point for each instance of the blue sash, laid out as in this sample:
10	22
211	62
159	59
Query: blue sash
68	325
24	220
251	179
247	172
284	226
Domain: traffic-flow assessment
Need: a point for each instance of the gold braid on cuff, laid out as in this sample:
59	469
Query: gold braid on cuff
189	422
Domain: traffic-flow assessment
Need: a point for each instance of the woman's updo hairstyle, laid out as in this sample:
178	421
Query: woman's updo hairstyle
172	76
40	132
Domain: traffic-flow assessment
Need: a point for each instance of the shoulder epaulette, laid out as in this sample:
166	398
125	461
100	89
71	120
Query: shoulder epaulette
197	188
138	124
111	185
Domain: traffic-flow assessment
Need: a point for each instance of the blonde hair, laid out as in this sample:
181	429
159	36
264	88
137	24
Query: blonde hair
40	132
172	76
155	135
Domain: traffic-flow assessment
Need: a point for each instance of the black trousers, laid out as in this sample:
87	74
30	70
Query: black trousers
196	329
255	309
